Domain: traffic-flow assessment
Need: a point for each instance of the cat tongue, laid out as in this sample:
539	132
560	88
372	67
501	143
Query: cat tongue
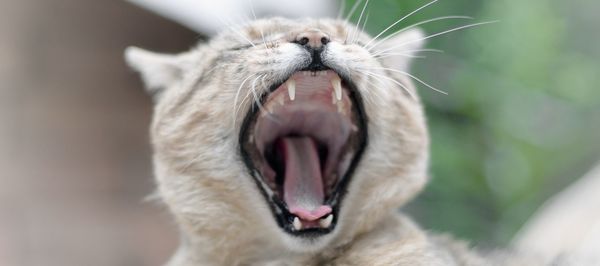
303	183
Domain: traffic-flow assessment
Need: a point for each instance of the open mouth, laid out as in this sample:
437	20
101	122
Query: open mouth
301	145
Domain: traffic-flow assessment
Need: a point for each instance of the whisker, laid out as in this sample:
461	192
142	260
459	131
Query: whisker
395	81
237	95
256	99
437	34
408	53
363	26
413	26
352	10
234	29
370	94
400	20
342	9
424	50
260	29
355	32
413	77
399	54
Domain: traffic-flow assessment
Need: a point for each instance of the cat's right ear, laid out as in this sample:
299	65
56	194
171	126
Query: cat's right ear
158	71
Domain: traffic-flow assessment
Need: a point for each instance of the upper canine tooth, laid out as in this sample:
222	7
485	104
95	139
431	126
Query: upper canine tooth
337	87
297	224
291	84
326	222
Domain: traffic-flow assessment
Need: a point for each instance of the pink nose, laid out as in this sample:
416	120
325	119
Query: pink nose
313	38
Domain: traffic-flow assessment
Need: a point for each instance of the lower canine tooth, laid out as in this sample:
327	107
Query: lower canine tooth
291	84
297	224
337	87
326	222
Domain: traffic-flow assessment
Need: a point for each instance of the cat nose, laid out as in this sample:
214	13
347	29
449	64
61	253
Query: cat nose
314	39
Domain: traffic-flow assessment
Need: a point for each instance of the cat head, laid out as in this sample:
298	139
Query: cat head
297	134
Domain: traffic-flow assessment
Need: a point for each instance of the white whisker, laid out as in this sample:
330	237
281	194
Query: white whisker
407	55
355	32
400	20
237	95
352	10
413	26
363	26
395	81
234	29
260	28
256	99
369	93
424	50
342	9
435	35
413	77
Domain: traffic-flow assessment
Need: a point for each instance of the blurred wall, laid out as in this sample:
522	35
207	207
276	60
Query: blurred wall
74	154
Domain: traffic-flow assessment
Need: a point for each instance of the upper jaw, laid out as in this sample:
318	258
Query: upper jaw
327	102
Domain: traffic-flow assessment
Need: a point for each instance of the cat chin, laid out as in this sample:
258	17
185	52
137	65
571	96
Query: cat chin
307	244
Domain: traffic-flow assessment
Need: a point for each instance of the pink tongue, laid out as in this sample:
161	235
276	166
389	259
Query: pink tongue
303	183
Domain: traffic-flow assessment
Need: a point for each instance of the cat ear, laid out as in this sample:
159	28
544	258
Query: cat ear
158	71
402	49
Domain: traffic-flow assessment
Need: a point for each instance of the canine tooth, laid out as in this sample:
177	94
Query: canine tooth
281	99
326	222
333	100
340	108
291	84
297	224
337	87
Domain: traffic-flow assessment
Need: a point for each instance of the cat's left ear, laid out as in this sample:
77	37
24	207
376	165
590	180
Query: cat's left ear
399	50
158	71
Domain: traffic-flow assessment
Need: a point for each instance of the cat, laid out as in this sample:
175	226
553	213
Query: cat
294	142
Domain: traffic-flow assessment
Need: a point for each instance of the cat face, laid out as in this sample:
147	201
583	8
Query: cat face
296	134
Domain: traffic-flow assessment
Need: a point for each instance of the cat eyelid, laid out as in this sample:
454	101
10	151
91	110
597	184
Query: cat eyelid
237	48
247	46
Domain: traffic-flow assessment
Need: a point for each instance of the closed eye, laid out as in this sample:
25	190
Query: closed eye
237	48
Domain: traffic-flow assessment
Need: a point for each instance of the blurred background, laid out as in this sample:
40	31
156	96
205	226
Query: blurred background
520	123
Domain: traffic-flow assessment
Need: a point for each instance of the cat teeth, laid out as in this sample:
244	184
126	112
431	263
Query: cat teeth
291	84
337	87
297	224
333	100
326	222
281	99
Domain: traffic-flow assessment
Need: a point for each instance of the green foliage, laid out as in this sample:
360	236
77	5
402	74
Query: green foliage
522	117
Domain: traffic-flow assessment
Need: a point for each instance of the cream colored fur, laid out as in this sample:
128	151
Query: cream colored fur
201	98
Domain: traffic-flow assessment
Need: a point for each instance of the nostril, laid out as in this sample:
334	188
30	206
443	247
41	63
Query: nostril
325	40
303	41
